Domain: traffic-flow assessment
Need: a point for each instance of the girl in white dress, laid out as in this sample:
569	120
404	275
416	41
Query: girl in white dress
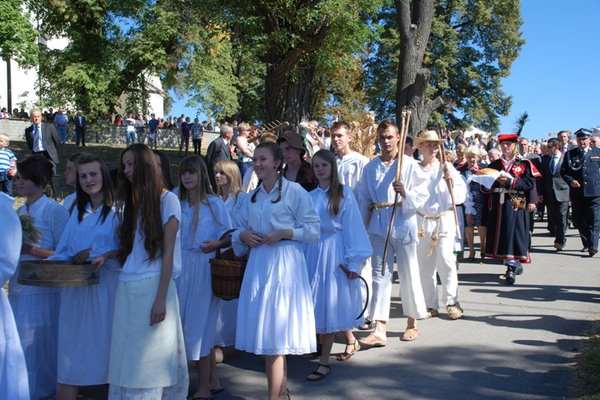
86	312
229	189
13	371
204	219
147	352
344	240
275	311
35	307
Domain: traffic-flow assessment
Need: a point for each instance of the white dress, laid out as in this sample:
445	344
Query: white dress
14	384
86	312
275	310
36	308
226	320
198	306
147	362
344	239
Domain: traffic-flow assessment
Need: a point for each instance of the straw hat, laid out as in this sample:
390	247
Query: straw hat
427	136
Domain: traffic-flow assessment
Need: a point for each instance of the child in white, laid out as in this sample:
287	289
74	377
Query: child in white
336	296
204	219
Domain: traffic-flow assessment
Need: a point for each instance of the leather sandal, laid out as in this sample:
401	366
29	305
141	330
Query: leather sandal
410	334
346	355
316	375
373	341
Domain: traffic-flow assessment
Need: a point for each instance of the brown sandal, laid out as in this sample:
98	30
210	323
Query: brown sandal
372	341
410	334
346	355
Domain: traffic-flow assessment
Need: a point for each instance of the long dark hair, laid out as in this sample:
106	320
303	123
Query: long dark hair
108	190
335	194
277	156
142	198
165	169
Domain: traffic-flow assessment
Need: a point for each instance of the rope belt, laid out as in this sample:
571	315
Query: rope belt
435	235
377	206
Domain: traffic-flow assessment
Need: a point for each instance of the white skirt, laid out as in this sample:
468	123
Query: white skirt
13	371
275	310
198	306
85	328
337	299
36	316
146	360
226	322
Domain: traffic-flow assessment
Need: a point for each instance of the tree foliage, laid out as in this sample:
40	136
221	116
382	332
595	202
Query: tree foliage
472	45
18	38
286	59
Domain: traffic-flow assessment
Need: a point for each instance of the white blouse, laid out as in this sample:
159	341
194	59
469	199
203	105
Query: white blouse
138	265
295	211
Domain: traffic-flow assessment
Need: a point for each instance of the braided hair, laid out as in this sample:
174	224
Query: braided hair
277	156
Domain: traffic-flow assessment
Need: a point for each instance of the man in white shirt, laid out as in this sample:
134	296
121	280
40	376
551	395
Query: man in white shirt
350	169
377	194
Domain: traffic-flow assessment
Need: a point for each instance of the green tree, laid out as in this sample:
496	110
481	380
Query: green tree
111	43
450	53
18	39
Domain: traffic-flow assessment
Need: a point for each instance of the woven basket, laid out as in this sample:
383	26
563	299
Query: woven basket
56	274
227	272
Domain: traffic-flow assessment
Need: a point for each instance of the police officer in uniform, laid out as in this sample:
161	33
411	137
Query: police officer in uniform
581	170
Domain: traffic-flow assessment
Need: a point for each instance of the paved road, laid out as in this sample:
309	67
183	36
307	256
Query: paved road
514	342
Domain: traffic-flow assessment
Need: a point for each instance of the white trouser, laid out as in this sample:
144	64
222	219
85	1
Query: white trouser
443	261
367	274
411	292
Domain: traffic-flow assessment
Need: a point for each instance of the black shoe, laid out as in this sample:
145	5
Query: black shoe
518	269
592	251
559	247
584	249
509	279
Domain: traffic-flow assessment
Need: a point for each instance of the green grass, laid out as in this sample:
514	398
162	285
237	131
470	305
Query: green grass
587	377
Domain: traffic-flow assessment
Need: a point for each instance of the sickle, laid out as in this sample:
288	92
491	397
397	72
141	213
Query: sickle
347	271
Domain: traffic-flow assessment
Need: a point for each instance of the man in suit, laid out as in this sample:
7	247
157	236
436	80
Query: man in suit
581	170
556	193
80	128
218	150
43	139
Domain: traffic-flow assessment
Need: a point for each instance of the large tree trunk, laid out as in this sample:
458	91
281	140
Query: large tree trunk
288	99
290	68
414	23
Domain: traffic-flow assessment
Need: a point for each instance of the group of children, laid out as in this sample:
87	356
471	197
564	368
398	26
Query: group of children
153	308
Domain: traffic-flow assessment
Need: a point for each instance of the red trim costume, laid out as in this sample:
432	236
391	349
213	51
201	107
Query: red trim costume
506	208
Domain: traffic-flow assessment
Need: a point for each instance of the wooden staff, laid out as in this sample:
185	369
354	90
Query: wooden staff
399	157
450	185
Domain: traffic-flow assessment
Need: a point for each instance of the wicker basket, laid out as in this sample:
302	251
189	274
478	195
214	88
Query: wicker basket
56	274
227	271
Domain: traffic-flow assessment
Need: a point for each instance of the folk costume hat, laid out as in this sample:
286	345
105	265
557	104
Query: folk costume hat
427	136
512	137
583	133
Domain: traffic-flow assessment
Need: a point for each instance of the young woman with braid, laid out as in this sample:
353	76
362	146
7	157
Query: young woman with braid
147	354
275	312
204	219
336	295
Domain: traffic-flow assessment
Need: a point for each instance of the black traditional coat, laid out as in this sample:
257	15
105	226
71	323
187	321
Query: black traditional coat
506	208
